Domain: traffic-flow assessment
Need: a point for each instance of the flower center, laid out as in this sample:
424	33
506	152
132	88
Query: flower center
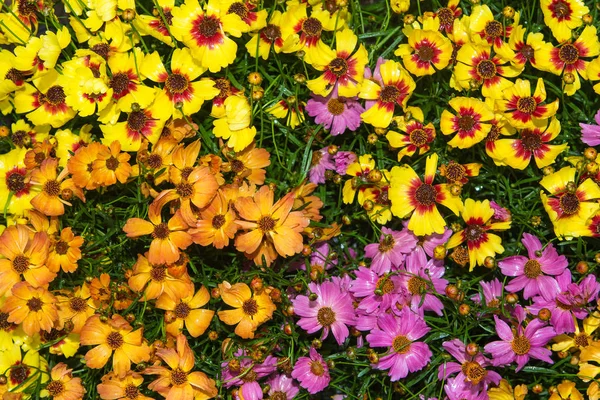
401	344
52	188
335	106
119	84
385	284
271	32
161	231
250	376
136	120
426	52
185	173
77	304
154	161
530	140
446	16
560	10
114	340
312	27
61	247
55	95
178	377
131	391
250	307
35	304
239	9
102	49
19	374
317	368
569	203
21	138
474	233
15	76
182	310
493	29
417	285
20	264
526	105
466	123
278	396
486	69
237	166
493	134
418	137
177	83
326	316
112	163
338	66
568	54
386	244
426	195
455	172
389	94
185	190
158	273
520	345
527	51
224	87
532	269
266	223
4	324
218	221
474	372
582	339
208	27
55	388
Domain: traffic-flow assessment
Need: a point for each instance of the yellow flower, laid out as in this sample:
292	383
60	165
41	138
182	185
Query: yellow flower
566	390
524	110
235	124
579	339
15	192
359	169
562	16
268	37
291	109
505	392
426	52
471	122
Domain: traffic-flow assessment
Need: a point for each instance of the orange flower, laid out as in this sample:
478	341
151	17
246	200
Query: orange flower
269	225
310	206
65	252
247	164
111	165
63	386
216	225
159	159
177	382
168	237
52	185
81	165
23	255
117	388
186	310
75	308
183	161
35	308
159	279
251	309
100	289
114	337
40	152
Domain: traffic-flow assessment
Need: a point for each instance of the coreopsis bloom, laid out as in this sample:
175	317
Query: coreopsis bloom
216	225
85	92
418	135
471	122
65	252
409	194
485	29
250	309
524	110
24	372
524	49
336	114
75	308
235	125
177	381
359	169
244	373
269	226
569	204
499	127
282	387
320	163
342	70
426	52
15	190
187	311
391	250
459	174
246	10
377	292
590	134
113	337
444	16
267	38
568	59
532	142
400	335
204	32
421	279
580	338
168	238
331	311
81	165
476	64
562	16
312	372
158	279
114	387
181	90
505	392
52	184
34	308
566	390
111	165
478	217
301	32
532	273
158	26
395	88
291	109
63	386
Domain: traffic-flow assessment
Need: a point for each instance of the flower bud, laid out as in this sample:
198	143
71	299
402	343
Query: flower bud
255	78
568	78
582	267
590	153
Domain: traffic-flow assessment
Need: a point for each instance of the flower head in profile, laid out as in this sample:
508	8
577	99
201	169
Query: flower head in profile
312	372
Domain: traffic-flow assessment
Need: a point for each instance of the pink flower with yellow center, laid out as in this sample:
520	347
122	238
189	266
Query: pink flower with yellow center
471	122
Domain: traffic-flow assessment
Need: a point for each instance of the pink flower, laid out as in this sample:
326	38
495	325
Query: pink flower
312	372
321	162
245	368
282	387
590	134
379	292
390	250
492	293
529	271
399	335
422	280
501	214
456	389
342	160
336	114
331	310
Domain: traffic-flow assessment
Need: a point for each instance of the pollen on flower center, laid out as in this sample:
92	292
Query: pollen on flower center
526	105
418	137
114	340
154	161
35	304
250	376
136	120
426	52
493	134
26	8
271	32
102	49
52	188
474	372
486	69
182	310
317	368
417	285
20	264
312	27
493	29
161	231
335	106
112	163
119	83
19	374
532	269
386	244
158	273
455	172
77	304
185	190
131	391
389	94
520	345
177	83
239	9
55	388
527	51
178	377
250	307
266	223
385	284
569	203
61	247
474	233
208	27
401	344
581	339
568	54
55	95
4	324
530	140
466	123
338	66
560	10
326	316
14	75
426	195
445	15
278	396
218	221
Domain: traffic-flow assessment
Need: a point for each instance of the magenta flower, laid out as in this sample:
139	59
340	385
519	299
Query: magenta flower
239	372
321	162
390	250
312	372
590	134
332	310
342	160
492	293
428	243
422	280
501	214
282	387
522	345
456	389
399	335
529	271
336	114
378	292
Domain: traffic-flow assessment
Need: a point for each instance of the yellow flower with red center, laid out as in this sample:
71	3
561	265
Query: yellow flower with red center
569	57
250	309
479	220
475	64
524	50
24	372
267	38
216	225
517	153
444	16
426	52
52	185
376	199
395	89
562	16
343	69
524	110
409	195
85	92
418	135
126	387
155	280
177	381
254	20
75	308
593	73
62	385
471	122
291	109
569	204
301	32
159	24
203	31
34	308
459	174
360	170
269	226
186	310
65	252
113	337
21	20
486	30
580	339
111	165
15	190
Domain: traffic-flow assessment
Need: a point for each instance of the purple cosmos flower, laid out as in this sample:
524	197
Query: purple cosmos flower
337	114
399	335
428	243
492	293
501	214
529	272
342	160
521	345
321	162
456	389
332	310
237	372
283	387
591	133
471	369
421	281
312	372
390	250
378	292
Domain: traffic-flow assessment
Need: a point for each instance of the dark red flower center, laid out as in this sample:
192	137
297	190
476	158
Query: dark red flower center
426	195
569	54
271	32
250	307
486	69
182	310
240	9
312	27
569	203
115	340
177	83
136	120
338	66
389	94
493	29
218	221
266	223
